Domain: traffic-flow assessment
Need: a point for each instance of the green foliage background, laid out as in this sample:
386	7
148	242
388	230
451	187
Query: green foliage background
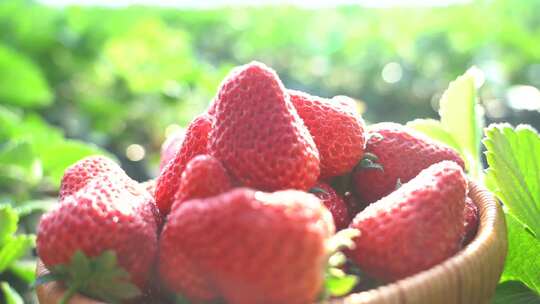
82	80
114	77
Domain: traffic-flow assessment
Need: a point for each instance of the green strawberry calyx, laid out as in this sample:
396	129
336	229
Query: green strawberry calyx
369	161
336	281
343	239
98	277
316	190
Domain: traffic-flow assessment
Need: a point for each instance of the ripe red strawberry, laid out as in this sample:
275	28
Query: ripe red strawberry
150	186
415	227
336	128
170	147
79	174
204	176
106	214
471	221
402	153
258	135
195	143
334	203
247	247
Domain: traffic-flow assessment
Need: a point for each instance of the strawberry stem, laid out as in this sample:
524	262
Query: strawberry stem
68	294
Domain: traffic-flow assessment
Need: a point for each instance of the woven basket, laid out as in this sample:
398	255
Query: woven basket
468	277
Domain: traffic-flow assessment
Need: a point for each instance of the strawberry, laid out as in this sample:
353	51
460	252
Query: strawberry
106	214
258	135
79	174
334	203
170	147
150	186
400	154
415	227
246	247
471	221
204	176
337	129
195	143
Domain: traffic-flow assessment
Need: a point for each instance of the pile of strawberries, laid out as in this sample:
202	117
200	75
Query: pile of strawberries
250	196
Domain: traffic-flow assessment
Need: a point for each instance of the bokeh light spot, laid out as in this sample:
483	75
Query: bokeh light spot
478	76
524	97
392	72
135	152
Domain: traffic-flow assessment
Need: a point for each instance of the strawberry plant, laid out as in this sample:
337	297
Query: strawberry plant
513	155
33	156
13	246
512	173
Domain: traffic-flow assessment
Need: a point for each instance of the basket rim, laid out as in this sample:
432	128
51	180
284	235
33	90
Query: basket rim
490	238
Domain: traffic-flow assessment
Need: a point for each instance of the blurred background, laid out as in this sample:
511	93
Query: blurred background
116	77
123	77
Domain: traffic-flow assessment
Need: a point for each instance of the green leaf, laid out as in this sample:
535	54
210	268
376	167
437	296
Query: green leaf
180	299
11	295
80	265
24	269
434	129
15	248
513	156
105	271
18	163
57	157
461	117
37	132
337	282
516	293
8	223
368	164
22	82
162	54
98	277
523	259
8	123
26	208
513	175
